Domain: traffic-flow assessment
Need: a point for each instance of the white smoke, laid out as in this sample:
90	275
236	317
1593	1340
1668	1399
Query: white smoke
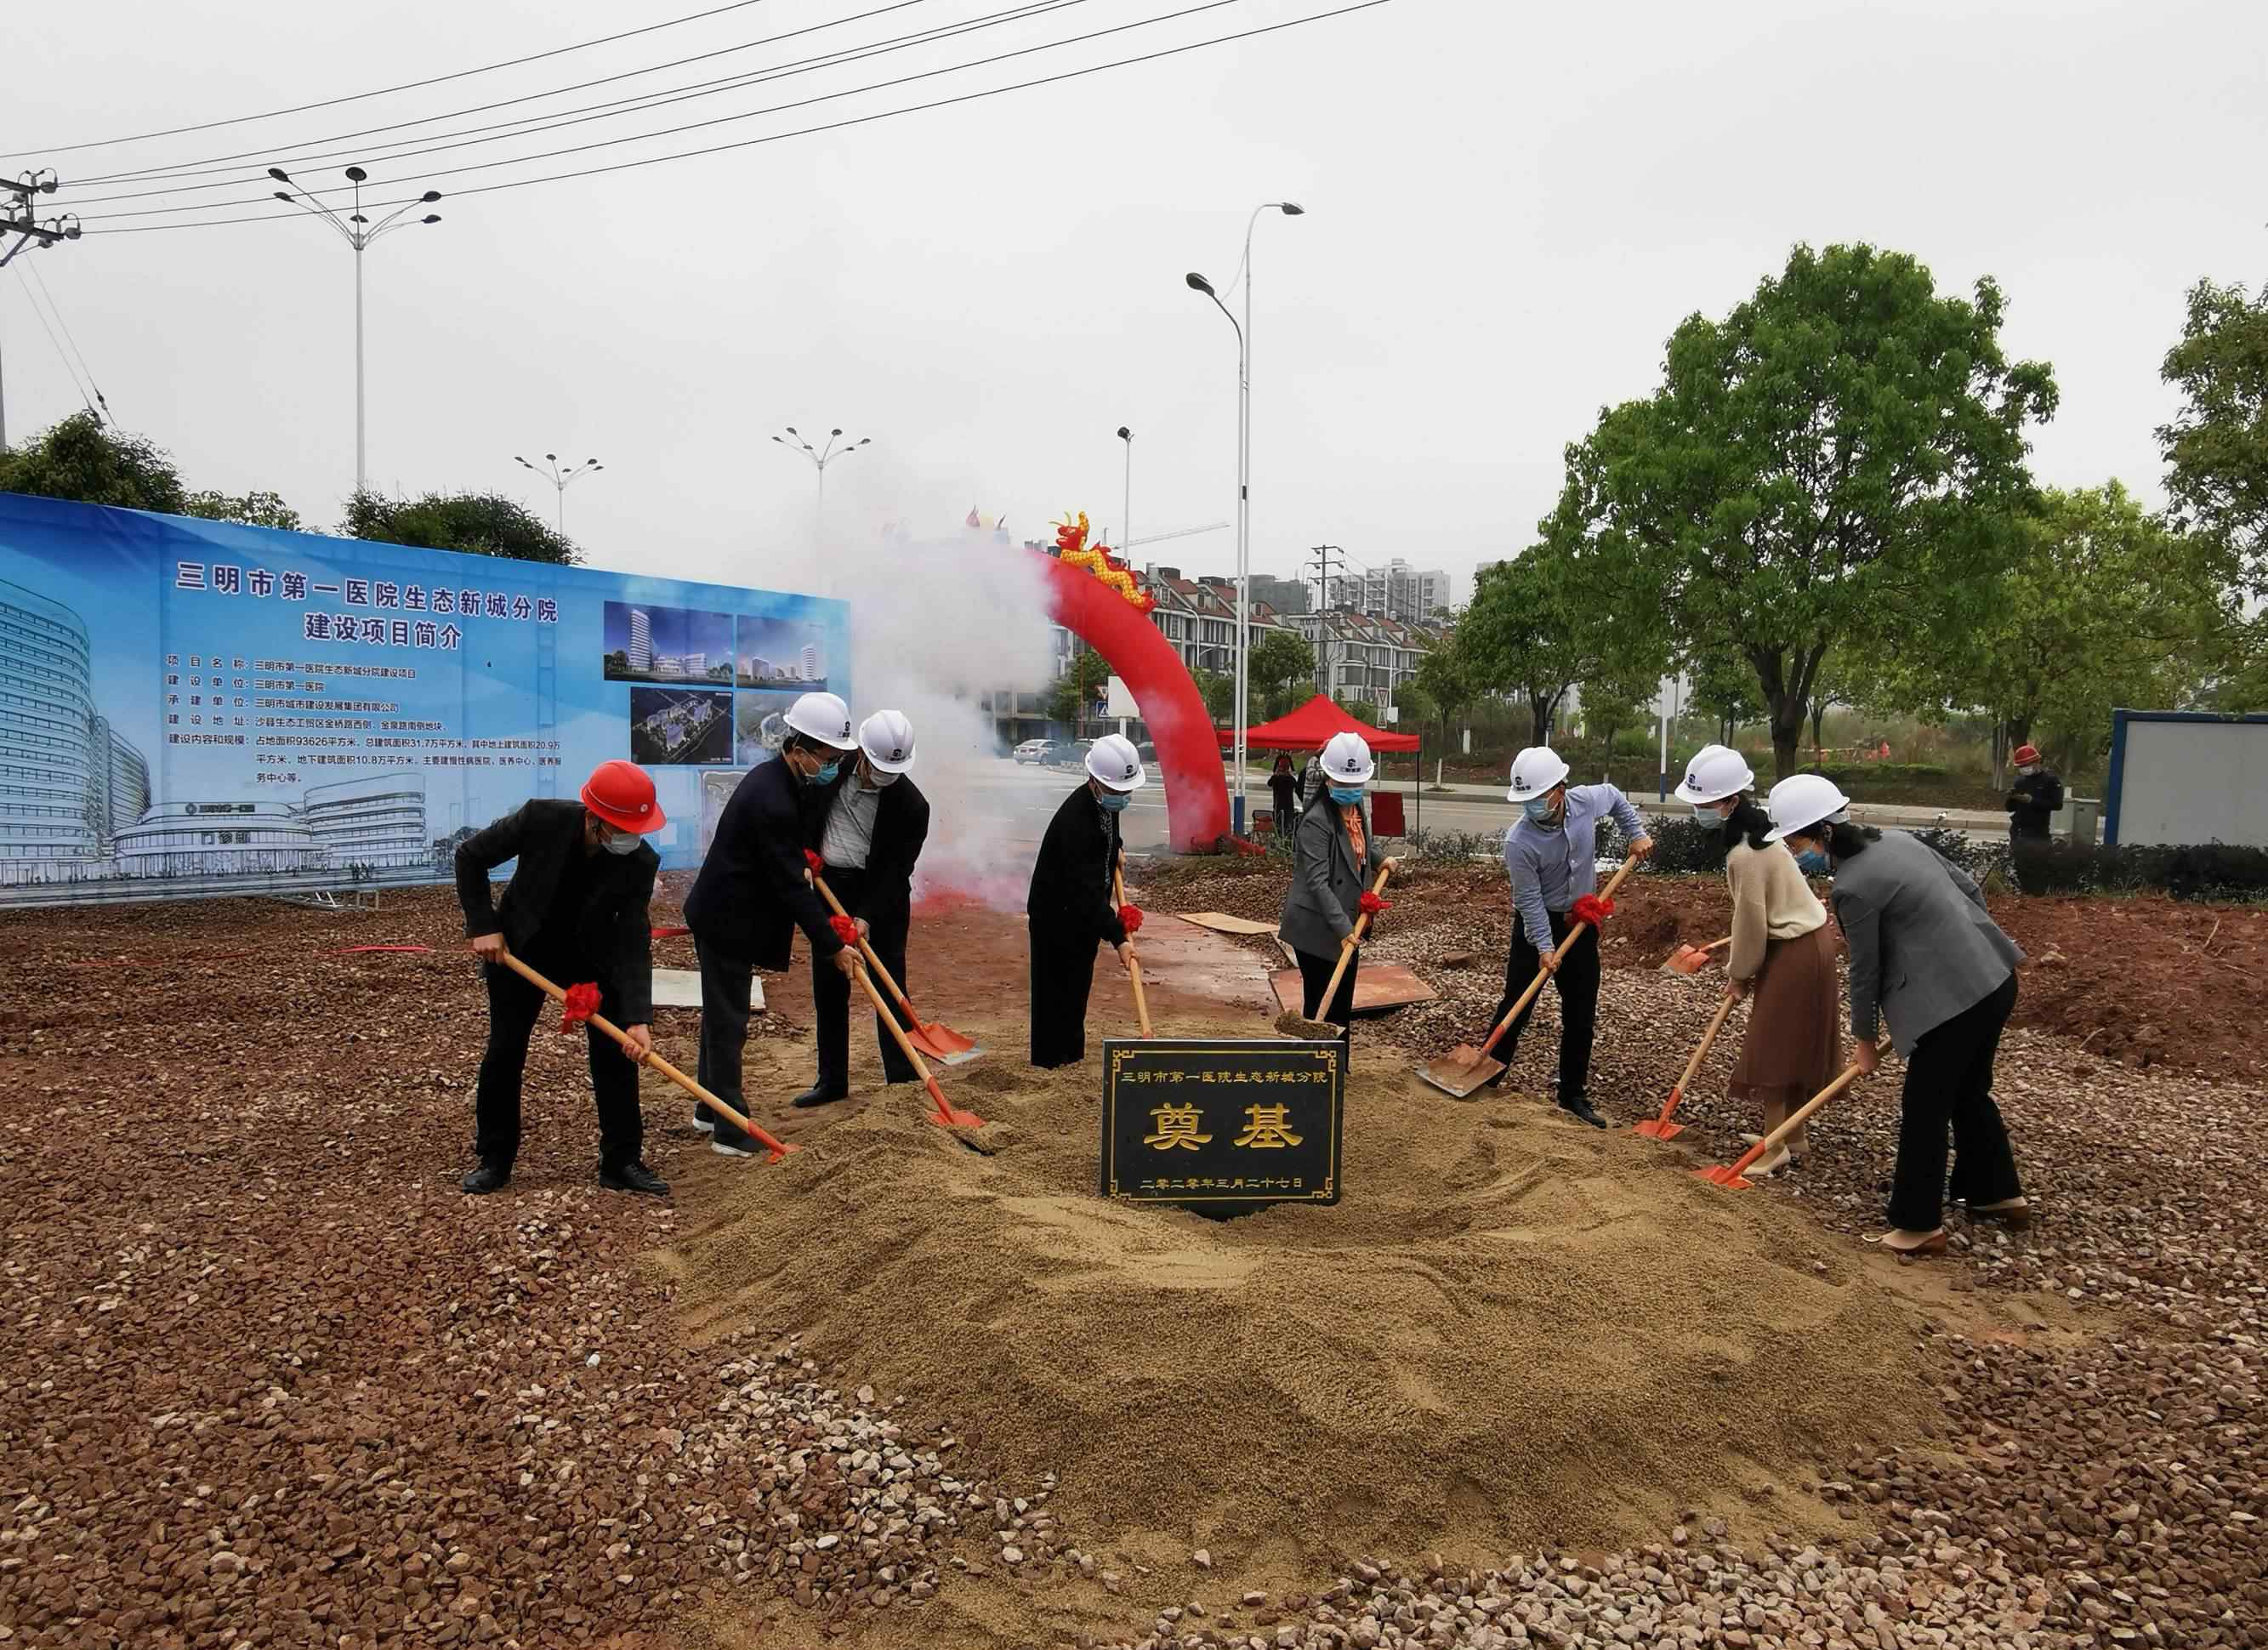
935	625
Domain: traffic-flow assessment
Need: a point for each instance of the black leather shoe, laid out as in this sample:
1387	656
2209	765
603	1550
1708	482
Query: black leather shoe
634	1177
819	1095
487	1178
1580	1108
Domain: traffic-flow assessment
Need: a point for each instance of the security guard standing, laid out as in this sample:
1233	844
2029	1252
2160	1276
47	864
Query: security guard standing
876	822
2033	799
754	891
575	910
1071	907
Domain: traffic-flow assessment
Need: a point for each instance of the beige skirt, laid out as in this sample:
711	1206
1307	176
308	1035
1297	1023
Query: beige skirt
1794	1046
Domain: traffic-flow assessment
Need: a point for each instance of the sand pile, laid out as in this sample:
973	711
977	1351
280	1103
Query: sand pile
1513	1331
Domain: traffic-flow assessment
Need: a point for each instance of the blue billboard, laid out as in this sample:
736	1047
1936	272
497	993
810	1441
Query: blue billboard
194	708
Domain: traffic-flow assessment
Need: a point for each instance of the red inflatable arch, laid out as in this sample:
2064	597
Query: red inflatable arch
1189	754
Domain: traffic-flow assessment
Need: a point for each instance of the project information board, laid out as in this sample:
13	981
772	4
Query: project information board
1222	1124
194	708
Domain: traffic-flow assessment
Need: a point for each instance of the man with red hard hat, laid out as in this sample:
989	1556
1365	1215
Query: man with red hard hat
754	891
2033	799
575	912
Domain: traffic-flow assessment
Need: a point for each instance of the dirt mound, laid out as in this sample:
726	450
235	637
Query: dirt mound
1512	1331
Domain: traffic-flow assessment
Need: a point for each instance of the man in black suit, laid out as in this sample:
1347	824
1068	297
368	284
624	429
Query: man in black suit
754	892
875	820
1070	908
575	912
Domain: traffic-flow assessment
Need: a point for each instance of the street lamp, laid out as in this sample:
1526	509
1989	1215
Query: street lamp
821	458
358	231
559	478
1197	283
1126	504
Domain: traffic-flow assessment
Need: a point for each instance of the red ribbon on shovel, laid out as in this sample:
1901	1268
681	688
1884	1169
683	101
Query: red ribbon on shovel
582	1003
1131	916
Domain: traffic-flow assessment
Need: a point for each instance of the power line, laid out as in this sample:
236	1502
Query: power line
650	100
212	163
929	74
407	85
60	321
67	368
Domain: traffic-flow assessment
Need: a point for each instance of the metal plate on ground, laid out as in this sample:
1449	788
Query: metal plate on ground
680	988
1221	922
1376	988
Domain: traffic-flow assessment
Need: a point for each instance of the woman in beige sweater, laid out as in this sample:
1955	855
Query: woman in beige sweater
1782	953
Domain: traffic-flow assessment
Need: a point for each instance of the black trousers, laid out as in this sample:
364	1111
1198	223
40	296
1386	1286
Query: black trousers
724	982
830	995
514	1007
1578	982
1949	1081
1063	978
1315	977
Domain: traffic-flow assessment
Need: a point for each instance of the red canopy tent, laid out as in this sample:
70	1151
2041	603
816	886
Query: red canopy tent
1310	727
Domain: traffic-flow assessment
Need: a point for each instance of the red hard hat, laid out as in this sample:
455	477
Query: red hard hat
620	793
2027	754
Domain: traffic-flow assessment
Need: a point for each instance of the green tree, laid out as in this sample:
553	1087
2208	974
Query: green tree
1845	451
81	458
1282	669
2216	448
478	524
1217	689
2105	606
1077	689
255	508
1724	687
1556	616
1444	683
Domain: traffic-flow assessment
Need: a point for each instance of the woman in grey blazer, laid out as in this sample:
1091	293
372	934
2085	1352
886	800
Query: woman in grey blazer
1334	856
1926	958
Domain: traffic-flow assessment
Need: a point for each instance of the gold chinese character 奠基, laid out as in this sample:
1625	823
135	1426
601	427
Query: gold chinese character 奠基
1177	1126
1268	1127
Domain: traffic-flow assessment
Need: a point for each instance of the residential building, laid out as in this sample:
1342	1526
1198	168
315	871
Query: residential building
1360	656
641	648
1396	591
377	820
53	772
1286	595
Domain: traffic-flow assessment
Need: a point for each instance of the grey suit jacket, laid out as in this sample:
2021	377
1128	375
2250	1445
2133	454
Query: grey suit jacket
1922	949
1327	885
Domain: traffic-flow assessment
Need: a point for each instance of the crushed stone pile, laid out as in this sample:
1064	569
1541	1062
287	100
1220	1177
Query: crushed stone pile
1511	1332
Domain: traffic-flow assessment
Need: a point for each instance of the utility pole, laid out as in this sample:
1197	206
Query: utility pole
26	188
1321	558
560	479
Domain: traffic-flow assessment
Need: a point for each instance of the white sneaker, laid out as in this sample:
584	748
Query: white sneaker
726	1149
707	1126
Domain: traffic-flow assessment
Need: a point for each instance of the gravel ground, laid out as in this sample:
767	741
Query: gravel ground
267	1379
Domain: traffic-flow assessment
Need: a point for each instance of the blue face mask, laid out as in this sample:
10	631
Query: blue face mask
1706	812
1346	795
1538	808
1812	863
1114	801
826	773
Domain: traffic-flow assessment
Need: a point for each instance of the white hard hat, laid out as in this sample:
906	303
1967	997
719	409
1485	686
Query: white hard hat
887	739
1114	762
1716	772
1534	771
1800	801
822	716
1347	759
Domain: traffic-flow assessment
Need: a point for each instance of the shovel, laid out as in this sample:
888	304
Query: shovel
1692	959
774	1149
1133	970
946	1116
1464	1068
932	1038
1796	1120
1323	1030
1660	1127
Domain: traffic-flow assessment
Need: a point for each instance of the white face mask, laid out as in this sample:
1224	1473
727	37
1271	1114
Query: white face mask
877	780
621	842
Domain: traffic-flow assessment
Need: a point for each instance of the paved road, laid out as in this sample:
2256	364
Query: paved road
1026	794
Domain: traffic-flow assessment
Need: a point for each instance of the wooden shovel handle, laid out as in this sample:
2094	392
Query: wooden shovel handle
688	1084
865	949
1346	952
905	1043
1797	1119
1559	953
1133	970
1716	1025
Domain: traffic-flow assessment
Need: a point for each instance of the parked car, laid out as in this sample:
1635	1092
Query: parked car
1067	753
1031	750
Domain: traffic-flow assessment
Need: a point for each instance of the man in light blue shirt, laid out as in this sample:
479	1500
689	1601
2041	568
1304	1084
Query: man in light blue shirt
1551	858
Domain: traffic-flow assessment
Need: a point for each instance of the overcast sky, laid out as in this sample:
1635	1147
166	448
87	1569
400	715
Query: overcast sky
1508	209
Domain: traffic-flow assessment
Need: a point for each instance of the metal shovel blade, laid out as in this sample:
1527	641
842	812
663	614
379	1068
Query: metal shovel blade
952	1118
1460	1071
1686	960
942	1043
1656	1129
1722	1176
